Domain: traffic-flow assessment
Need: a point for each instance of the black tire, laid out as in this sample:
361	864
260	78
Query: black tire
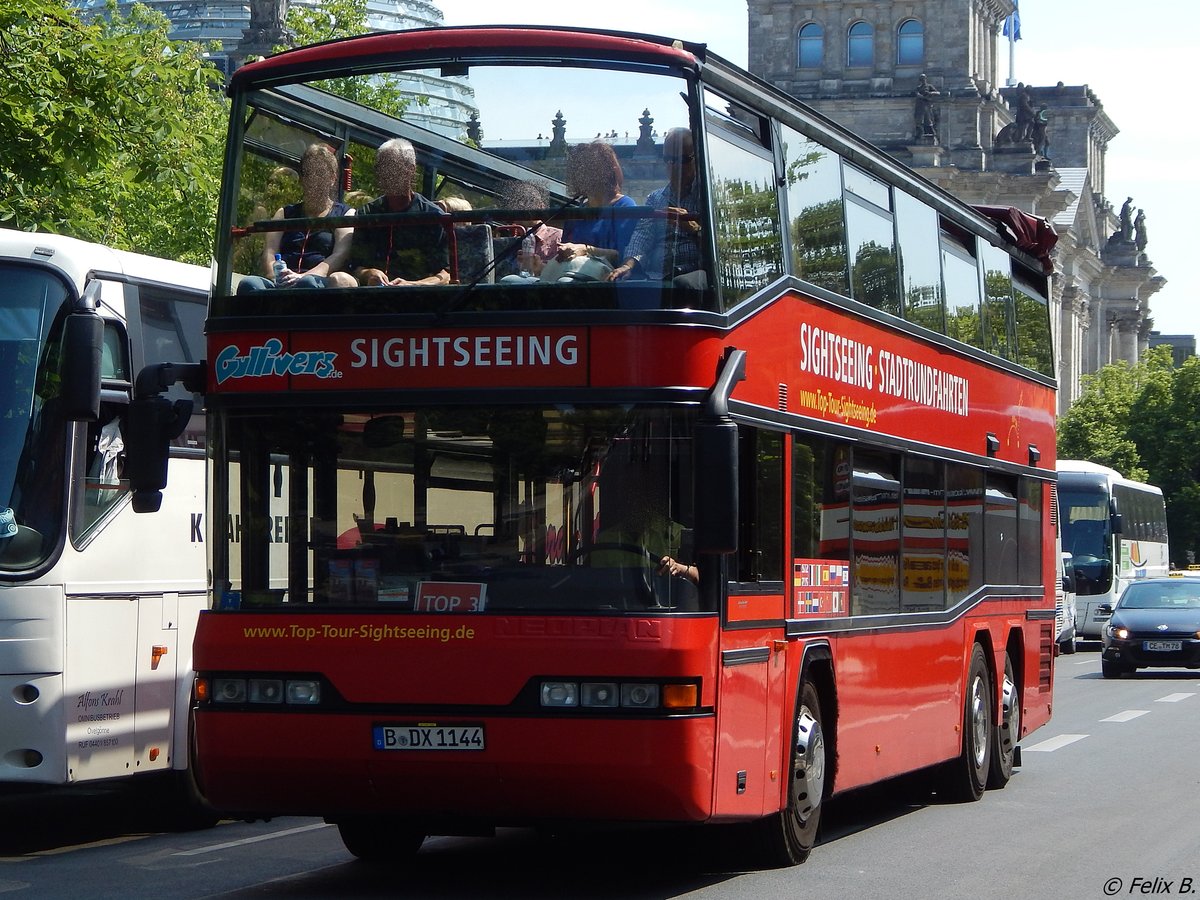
1008	730
375	839
188	810
787	837
964	779
1067	647
1110	669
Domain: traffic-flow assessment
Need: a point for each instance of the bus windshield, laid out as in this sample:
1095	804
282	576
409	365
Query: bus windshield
547	147
1088	538
544	508
32	466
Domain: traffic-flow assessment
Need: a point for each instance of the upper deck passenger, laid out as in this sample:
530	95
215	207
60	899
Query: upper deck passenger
668	248
594	171
311	255
399	252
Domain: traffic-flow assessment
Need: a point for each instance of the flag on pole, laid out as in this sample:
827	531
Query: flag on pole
1012	25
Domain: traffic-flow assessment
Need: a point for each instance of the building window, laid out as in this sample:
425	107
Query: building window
910	43
860	46
810	46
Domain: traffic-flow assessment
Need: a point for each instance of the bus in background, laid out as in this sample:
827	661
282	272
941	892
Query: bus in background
98	605
757	525
1064	591
1115	530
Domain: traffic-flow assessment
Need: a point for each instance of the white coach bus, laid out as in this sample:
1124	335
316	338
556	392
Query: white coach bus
1115	530
97	605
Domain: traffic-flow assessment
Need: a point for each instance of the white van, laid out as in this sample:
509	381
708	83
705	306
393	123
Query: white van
1064	604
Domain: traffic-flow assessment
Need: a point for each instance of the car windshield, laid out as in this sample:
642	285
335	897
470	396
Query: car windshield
32	447
1176	595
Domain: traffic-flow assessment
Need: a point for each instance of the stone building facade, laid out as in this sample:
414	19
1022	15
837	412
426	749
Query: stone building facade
920	78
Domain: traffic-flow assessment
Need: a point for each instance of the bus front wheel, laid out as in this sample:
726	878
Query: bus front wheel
788	836
376	839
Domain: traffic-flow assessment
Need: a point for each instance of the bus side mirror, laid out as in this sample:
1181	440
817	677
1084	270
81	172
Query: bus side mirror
716	487
1117	523
152	424
83	345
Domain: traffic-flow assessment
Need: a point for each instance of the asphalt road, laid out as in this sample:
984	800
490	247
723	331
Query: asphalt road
1104	804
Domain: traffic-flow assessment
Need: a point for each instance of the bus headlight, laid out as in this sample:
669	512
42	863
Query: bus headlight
229	690
302	692
639	696
265	690
560	693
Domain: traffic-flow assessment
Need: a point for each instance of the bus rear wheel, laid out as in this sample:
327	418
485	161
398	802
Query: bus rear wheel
788	836
1008	731
379	839
964	778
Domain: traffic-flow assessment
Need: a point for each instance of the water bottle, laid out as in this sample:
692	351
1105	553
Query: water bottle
527	251
279	266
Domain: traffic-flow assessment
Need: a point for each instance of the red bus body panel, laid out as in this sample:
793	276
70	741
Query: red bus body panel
898	687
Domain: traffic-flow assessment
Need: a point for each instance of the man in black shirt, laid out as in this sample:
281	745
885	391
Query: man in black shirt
399	252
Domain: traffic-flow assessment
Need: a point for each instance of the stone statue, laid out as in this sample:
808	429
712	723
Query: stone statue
1038	137
1029	127
1126	229
925	111
558	135
1139	226
268	15
1025	115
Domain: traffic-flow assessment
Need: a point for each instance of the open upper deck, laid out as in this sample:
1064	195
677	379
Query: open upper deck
782	198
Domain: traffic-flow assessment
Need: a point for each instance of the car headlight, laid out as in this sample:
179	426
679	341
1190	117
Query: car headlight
1119	632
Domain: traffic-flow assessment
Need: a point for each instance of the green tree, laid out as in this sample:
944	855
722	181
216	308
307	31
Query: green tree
113	132
332	19
1096	427
1141	421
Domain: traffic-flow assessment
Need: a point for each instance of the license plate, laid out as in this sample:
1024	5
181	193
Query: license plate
426	736
1162	645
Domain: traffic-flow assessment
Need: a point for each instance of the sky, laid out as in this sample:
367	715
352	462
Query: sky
1137	60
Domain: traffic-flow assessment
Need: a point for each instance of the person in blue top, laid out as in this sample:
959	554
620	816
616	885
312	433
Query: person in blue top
311	255
669	248
593	170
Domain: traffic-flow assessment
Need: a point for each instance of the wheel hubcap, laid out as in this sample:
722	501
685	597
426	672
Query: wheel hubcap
808	781
979	721
1010	722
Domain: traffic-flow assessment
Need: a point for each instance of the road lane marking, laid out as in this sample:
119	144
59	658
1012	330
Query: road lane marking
252	840
1054	743
1174	698
1126	715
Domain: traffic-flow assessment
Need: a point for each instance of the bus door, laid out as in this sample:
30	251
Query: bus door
155	685
752	667
101	637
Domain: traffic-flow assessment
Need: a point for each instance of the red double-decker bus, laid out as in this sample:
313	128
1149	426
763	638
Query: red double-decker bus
758	518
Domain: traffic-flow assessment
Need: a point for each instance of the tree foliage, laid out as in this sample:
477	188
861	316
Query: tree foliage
314	23
113	132
1141	421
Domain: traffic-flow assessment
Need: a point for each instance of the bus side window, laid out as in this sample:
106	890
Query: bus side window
746	210
760	542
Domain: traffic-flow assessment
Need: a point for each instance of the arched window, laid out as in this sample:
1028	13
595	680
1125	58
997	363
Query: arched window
910	43
860	46
810	46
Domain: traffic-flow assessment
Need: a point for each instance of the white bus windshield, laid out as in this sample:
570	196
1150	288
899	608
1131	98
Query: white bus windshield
31	446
